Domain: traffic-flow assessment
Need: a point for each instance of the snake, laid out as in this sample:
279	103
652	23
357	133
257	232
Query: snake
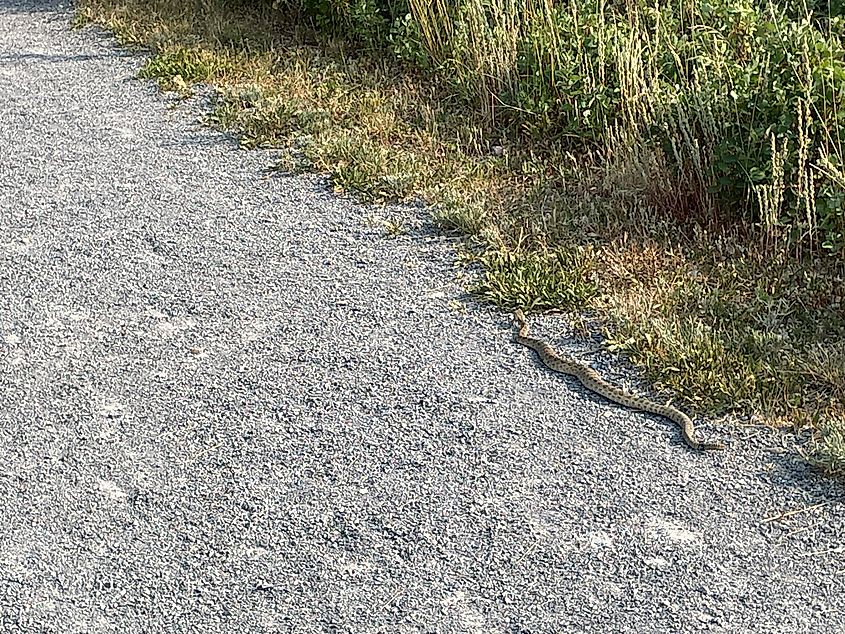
591	380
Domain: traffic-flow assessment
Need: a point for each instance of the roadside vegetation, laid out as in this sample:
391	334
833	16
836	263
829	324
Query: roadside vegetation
674	168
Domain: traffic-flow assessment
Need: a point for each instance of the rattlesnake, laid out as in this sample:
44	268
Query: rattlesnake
592	381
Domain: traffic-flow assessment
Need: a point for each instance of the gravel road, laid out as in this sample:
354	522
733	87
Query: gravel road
231	402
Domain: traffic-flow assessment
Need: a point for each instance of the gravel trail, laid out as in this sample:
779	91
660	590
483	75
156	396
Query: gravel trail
230	402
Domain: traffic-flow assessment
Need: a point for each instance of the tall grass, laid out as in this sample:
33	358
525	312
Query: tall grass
739	102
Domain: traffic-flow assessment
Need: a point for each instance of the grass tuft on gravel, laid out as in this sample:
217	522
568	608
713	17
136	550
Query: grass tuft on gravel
537	280
720	314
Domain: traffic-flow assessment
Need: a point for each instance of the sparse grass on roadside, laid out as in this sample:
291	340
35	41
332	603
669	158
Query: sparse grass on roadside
721	317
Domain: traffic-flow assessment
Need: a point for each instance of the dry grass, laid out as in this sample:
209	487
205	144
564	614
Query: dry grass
727	322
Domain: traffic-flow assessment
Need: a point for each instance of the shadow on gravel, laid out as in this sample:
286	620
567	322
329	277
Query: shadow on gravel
18	57
32	6
787	471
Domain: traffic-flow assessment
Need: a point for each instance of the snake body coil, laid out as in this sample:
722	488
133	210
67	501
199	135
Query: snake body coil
591	380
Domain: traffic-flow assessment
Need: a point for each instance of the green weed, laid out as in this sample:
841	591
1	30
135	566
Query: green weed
536	280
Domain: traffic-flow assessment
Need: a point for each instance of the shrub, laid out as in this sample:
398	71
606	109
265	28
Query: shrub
360	21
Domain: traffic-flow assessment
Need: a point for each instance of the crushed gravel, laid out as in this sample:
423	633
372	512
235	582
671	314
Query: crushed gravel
231	402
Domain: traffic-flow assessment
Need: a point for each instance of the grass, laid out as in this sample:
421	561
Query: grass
534	280
731	317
